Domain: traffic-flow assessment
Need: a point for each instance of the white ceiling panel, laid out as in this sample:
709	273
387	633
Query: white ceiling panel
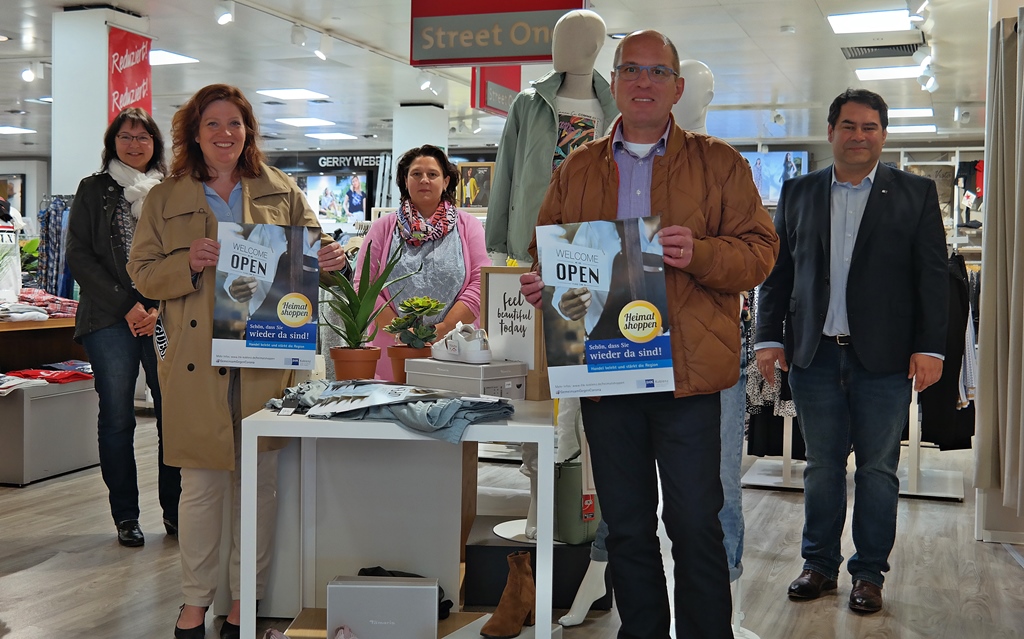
757	66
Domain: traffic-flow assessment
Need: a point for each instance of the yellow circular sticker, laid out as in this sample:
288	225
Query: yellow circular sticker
640	321
294	310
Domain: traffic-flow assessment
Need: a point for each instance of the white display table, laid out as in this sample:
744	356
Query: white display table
531	423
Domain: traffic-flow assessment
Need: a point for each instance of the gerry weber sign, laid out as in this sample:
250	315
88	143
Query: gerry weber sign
347	161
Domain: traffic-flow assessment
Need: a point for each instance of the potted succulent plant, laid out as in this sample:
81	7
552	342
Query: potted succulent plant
355	311
409	329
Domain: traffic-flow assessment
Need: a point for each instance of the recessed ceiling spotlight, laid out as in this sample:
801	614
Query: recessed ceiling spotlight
618	36
3	38
787	29
424	81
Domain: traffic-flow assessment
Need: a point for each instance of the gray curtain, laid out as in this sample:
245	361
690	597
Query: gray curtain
999	443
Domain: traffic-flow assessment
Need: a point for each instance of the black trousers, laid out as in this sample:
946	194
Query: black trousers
634	439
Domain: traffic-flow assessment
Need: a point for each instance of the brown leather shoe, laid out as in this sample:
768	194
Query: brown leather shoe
810	585
865	597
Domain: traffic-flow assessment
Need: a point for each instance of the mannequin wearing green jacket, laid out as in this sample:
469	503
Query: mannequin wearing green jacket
531	138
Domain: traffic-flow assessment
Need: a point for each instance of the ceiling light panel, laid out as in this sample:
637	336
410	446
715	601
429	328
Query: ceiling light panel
292	94
911	113
888	73
912	128
159	57
870	22
331	136
302	122
14	130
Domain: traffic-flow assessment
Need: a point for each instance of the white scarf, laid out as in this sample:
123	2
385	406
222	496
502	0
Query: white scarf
136	185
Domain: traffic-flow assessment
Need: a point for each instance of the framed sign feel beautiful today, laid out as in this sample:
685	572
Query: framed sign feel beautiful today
513	326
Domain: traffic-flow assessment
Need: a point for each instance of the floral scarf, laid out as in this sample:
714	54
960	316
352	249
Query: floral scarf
415	230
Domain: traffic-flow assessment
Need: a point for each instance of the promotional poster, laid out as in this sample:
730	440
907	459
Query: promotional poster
771	169
266	312
606	328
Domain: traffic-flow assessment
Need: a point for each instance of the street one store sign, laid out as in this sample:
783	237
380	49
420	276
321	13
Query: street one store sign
455	33
493	88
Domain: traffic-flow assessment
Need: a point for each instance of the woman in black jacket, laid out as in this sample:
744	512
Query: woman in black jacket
114	322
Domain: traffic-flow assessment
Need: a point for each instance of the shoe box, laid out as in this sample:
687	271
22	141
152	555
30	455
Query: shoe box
383	607
501	379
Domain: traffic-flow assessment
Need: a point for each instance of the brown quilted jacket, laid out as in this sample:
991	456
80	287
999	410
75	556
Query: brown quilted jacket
704	184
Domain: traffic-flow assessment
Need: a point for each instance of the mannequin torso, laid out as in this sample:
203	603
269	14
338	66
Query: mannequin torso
561	110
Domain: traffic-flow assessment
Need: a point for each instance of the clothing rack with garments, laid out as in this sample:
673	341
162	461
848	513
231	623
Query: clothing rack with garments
782	474
54	274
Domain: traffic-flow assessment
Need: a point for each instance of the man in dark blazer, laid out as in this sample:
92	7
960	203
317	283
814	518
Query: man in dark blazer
854	309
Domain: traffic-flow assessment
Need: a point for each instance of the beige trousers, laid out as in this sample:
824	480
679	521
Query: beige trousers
201	520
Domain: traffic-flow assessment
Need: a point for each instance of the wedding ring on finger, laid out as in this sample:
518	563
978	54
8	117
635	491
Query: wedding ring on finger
680	252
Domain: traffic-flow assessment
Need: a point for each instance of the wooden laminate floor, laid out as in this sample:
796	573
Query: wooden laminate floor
63	575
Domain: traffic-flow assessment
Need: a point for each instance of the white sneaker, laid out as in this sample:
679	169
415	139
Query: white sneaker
463	344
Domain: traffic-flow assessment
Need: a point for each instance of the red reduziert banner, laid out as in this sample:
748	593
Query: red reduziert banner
129	75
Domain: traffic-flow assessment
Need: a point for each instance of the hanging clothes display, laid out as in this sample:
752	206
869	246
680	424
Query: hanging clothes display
54	275
942	422
768	404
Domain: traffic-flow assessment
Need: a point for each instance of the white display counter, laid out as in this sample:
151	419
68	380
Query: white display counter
380	494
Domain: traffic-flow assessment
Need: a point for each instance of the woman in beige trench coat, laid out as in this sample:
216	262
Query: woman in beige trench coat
218	175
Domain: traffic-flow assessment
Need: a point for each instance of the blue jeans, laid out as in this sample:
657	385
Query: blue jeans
840	405
115	355
598	547
634	440
734	407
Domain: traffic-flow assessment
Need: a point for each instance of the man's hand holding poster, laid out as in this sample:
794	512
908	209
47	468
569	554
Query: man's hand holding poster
605	309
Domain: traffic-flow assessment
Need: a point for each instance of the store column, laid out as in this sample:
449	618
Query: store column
416	125
80	91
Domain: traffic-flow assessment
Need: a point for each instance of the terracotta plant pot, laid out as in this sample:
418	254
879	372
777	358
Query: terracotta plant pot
399	354
355	363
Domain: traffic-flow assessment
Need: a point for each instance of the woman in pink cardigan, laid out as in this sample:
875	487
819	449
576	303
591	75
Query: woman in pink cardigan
444	243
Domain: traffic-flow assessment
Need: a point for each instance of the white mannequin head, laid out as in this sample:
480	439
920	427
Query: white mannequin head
575	42
698	91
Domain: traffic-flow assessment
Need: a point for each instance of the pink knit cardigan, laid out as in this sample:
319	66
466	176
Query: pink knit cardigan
474	250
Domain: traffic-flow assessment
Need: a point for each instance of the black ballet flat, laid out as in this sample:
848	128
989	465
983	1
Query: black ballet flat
230	631
198	632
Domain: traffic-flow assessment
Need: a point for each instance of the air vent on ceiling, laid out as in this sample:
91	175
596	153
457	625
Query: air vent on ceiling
320	101
881	51
273	102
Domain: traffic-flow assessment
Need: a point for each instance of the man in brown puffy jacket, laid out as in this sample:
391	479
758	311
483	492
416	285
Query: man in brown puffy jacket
717	240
